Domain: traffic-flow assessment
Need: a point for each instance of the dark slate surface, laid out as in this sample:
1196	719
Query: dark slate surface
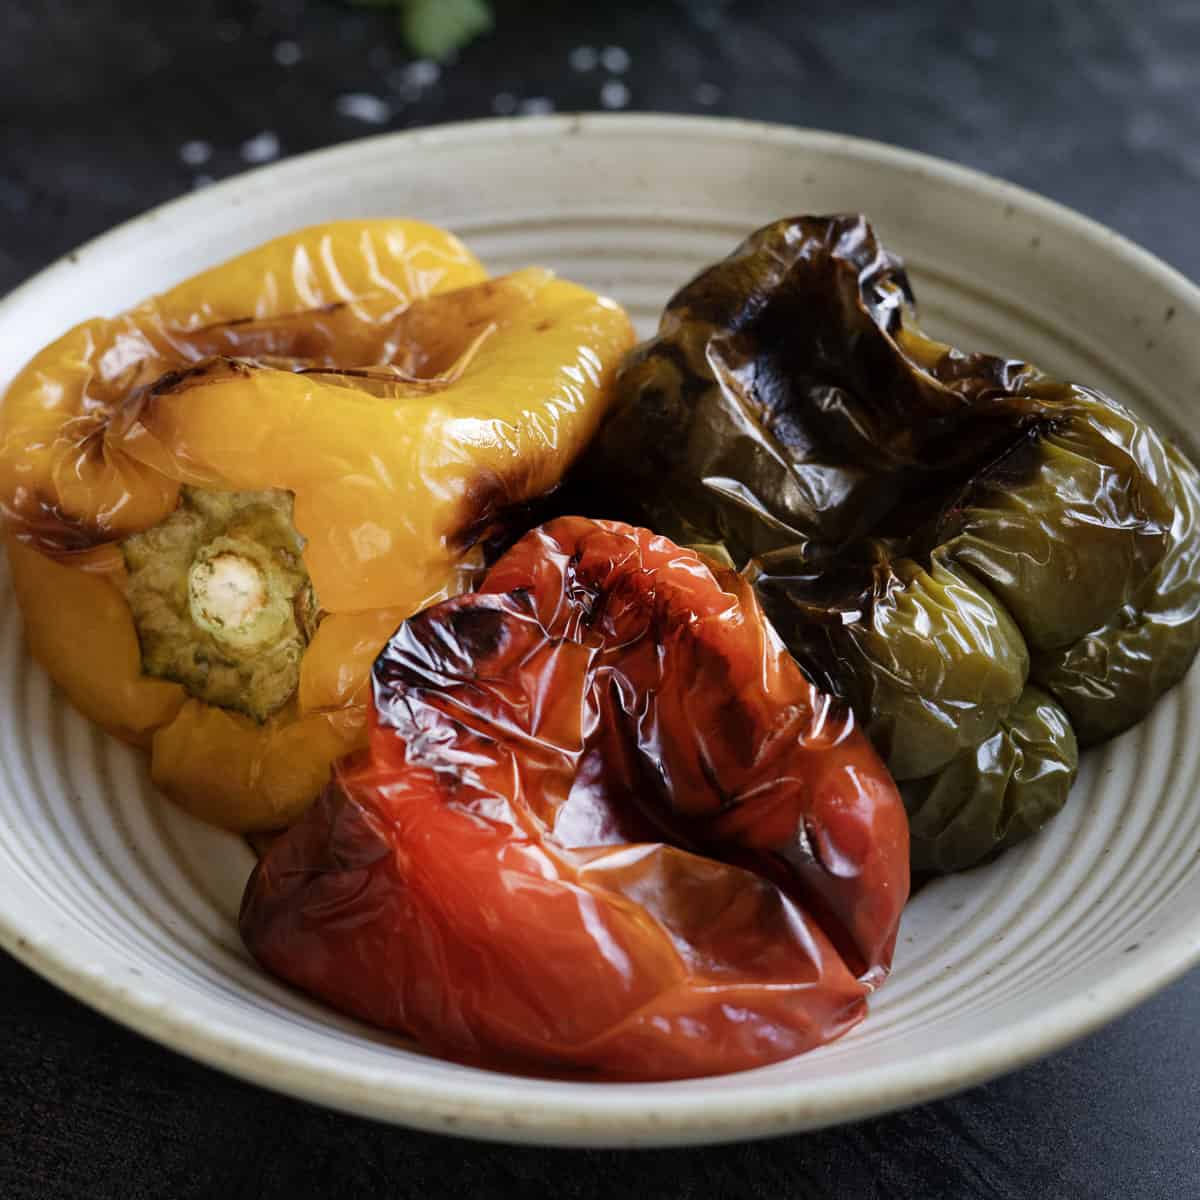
107	109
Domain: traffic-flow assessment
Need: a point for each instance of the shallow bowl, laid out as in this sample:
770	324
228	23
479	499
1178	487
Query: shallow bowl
131	906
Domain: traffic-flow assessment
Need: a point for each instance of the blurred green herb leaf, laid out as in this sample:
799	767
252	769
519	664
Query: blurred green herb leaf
436	28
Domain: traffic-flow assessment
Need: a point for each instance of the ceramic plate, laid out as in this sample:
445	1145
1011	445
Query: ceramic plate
130	906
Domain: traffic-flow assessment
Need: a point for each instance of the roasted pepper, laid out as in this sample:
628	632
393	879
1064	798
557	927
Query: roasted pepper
931	531
996	793
604	824
220	504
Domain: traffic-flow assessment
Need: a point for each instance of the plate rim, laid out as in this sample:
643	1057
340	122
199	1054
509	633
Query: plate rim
479	1103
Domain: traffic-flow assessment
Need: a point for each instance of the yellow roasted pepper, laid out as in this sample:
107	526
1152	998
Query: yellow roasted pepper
220	504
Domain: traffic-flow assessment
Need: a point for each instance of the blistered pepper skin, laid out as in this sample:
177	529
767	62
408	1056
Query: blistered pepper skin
68	478
934	661
1117	671
996	793
604	825
929	529
369	369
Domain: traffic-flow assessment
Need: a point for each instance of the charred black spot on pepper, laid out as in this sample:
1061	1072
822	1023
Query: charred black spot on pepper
141	403
344	372
420	652
233	322
480	631
39	522
169	381
485	507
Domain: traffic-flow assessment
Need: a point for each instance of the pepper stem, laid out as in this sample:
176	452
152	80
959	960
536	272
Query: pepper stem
221	599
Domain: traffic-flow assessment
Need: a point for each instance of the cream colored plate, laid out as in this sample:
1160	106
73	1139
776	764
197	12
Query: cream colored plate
130	906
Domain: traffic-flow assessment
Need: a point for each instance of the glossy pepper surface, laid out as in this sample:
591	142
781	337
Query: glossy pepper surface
221	503
604	824
931	531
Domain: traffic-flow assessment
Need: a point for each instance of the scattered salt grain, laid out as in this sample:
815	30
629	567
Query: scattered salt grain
286	53
536	106
261	148
504	103
201	181
412	80
423	73
707	94
362	106
583	58
614	94
195	153
615	59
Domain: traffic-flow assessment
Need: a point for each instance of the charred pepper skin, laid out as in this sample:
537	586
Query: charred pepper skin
604	825
363	378
931	530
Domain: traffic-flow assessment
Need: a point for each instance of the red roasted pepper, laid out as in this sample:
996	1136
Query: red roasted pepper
604	823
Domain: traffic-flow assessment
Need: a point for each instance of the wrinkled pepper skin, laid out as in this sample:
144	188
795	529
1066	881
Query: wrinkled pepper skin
996	793
604	825
930	530
368	370
914	623
1147	646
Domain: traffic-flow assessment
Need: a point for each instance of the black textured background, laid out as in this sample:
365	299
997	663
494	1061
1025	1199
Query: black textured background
1093	102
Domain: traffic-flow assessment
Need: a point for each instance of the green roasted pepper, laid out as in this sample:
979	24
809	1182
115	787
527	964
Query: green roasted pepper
997	793
930	658
931	531
1121	667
